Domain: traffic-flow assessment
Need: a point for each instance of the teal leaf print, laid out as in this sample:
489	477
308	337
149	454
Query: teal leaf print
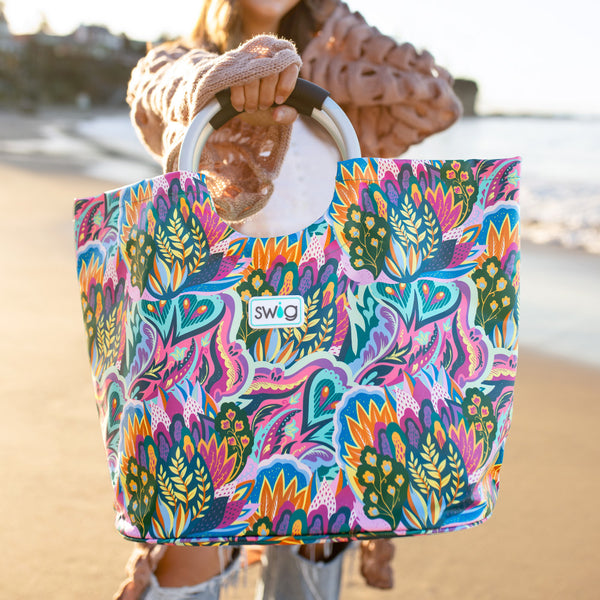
458	176
496	294
457	486
318	329
438	479
231	423
203	487
478	410
385	483
254	285
89	320
182	249
367	235
142	491
185	492
416	236
114	409
140	250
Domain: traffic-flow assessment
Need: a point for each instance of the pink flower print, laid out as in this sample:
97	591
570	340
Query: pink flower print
469	447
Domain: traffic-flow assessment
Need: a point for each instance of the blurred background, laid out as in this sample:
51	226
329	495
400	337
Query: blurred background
527	73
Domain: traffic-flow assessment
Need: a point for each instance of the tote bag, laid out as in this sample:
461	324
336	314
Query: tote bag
351	380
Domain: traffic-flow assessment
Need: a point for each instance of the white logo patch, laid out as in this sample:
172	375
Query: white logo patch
266	312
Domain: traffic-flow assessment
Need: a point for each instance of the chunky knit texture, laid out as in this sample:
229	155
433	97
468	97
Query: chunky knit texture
172	83
394	96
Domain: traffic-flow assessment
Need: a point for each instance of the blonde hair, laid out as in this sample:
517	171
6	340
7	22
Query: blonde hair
219	25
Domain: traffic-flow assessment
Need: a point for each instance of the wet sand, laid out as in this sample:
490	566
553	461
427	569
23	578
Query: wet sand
57	535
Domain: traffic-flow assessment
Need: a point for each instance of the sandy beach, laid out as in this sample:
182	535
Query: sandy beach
57	533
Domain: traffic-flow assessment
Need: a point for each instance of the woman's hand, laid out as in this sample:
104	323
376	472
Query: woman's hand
262	94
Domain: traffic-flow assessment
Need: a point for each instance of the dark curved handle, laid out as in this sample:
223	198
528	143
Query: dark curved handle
305	98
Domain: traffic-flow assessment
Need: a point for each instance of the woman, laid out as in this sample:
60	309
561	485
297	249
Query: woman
394	97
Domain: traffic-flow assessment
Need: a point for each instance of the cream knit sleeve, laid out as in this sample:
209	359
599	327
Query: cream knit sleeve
172	83
394	96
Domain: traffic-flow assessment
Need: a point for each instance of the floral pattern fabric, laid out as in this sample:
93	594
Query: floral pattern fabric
384	413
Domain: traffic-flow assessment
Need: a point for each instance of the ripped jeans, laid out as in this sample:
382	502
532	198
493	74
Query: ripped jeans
286	575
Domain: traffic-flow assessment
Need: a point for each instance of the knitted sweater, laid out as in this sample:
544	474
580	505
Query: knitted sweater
393	95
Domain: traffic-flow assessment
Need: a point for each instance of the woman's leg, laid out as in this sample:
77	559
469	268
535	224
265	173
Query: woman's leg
192	573
177	572
191	565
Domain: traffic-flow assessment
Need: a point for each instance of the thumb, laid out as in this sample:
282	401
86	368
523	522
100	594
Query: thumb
284	115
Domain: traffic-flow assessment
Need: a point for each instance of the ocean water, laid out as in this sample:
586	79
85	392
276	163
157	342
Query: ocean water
560	197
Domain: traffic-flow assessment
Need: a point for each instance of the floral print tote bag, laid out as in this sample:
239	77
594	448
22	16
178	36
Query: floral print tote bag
352	380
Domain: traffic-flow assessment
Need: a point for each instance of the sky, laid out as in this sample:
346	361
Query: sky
527	56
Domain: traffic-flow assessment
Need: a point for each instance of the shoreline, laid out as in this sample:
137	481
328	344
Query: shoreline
559	305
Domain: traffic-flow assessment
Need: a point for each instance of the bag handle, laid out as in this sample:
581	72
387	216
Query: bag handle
307	98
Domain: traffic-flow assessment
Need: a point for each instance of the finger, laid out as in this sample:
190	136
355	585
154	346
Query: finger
266	97
251	91
238	98
286	83
285	115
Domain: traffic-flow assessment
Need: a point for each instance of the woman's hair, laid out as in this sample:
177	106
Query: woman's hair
219	26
